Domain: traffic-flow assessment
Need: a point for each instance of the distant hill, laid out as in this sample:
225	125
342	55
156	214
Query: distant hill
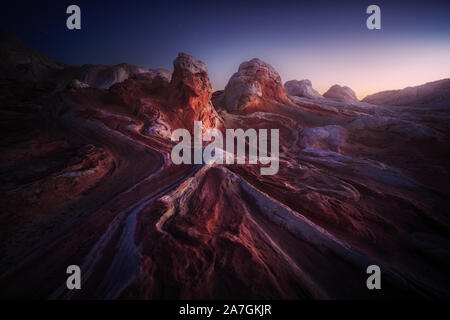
22	64
431	93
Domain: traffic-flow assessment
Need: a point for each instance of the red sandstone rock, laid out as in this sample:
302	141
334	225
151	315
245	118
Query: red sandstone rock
255	83
87	180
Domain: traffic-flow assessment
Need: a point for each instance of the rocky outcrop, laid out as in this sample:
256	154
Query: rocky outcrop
158	73
99	76
255	82
189	94
94	185
190	84
431	93
162	100
302	88
77	84
19	63
339	93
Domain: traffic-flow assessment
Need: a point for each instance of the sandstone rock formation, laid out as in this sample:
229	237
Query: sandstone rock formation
163	100
339	93
256	81
17	62
431	93
99	76
77	84
86	178
190	93
302	88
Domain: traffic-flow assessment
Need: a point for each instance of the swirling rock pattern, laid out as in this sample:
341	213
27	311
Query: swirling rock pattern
87	180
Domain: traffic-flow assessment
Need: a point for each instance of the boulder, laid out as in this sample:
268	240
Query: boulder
77	84
301	88
341	93
190	93
254	82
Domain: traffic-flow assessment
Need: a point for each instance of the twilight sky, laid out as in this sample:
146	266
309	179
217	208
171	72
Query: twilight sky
324	41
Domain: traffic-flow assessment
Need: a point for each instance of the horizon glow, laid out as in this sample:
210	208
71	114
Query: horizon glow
371	70
326	41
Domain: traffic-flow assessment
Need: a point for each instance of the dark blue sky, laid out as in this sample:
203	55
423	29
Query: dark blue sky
326	41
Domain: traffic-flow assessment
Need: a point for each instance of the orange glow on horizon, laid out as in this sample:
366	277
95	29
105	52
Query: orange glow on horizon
367	70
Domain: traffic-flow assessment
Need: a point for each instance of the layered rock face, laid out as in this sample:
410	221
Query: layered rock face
302	88
101	76
190	93
339	93
19	63
431	93
255	83
86	179
161	99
